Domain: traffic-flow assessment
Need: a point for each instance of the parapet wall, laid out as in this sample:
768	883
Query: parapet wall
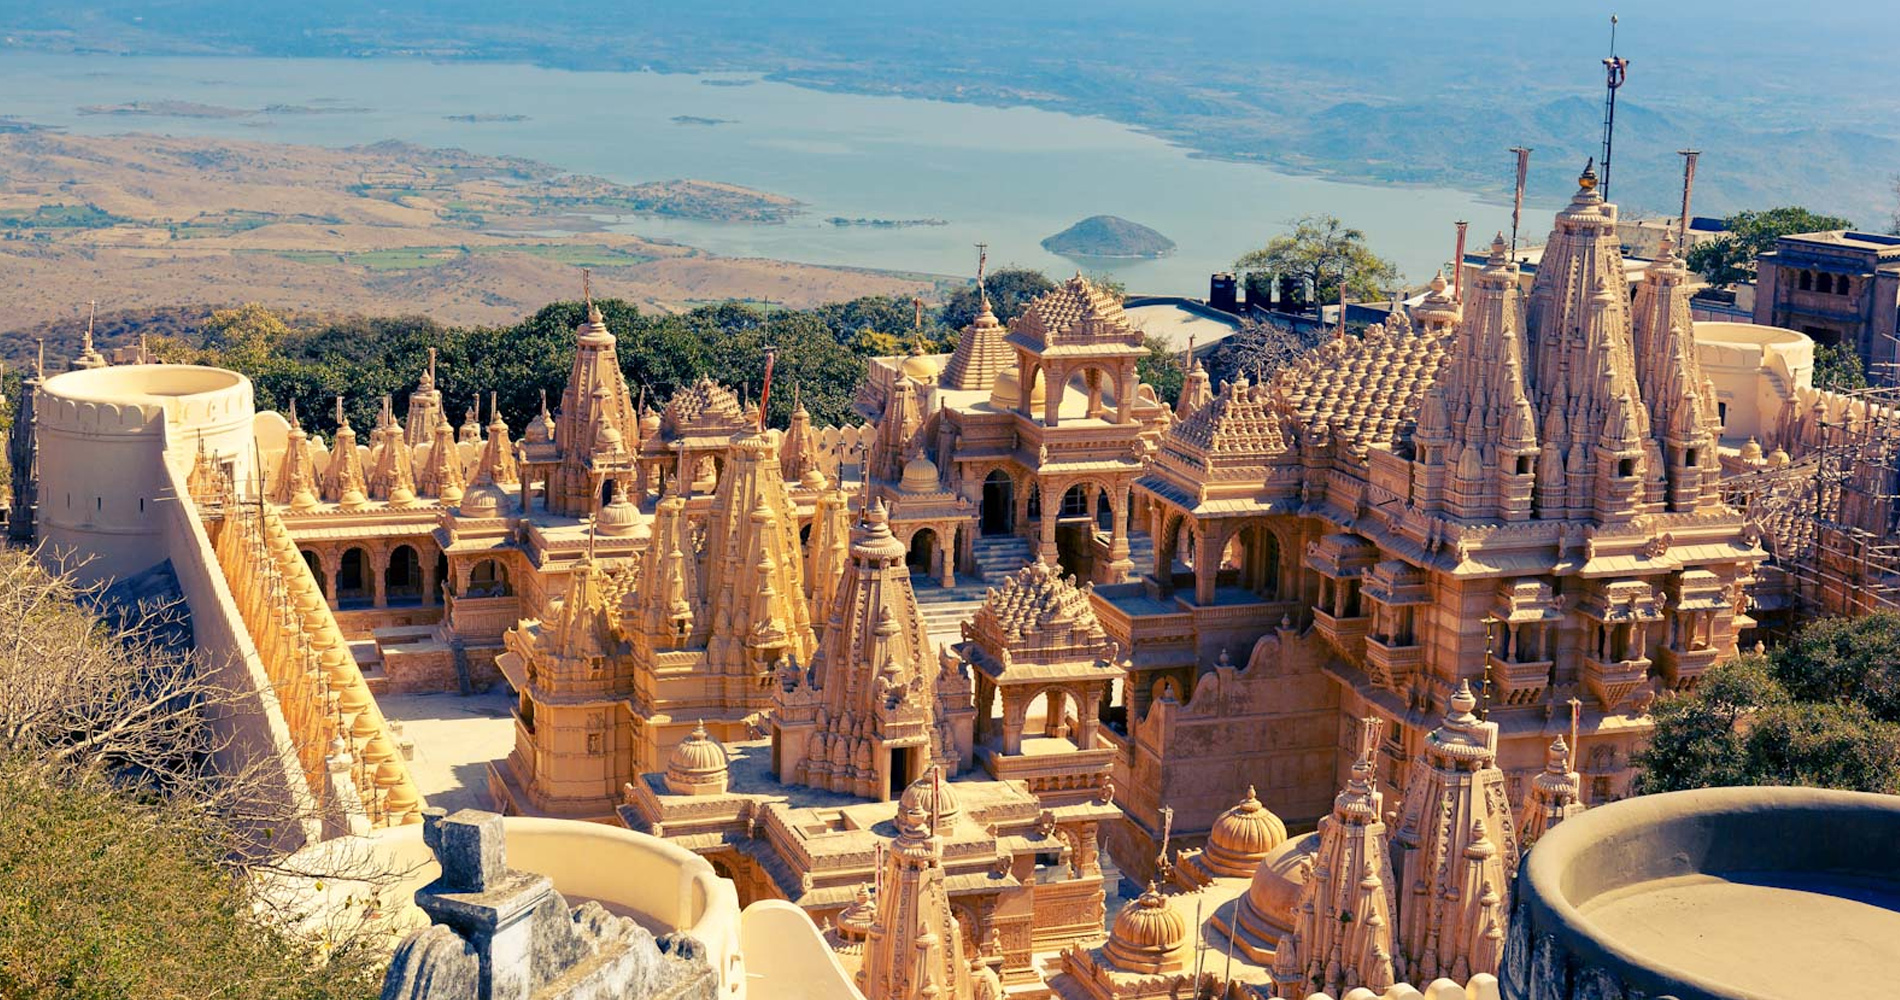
250	726
1572	936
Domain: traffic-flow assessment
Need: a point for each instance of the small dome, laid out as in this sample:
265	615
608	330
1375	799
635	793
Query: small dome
1242	837
921	367
485	500
649	423
1778	457
697	766
1277	881
607	438
920	476
922	795
1008	391
541	428
619	518
1149	935
1751	450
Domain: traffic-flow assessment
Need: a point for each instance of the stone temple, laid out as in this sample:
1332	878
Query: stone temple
1310	662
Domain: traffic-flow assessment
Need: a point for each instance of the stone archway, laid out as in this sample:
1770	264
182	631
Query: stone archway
998	503
354	587
921	556
402	581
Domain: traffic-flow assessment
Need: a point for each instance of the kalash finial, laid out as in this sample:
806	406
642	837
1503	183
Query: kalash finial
1588	179
587	295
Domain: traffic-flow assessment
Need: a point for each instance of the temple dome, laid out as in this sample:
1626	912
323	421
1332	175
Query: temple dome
1242	837
1277	881
1149	935
483	500
619	518
923	795
541	428
698	766
855	920
920	366
607	438
920	476
1751	451
1007	394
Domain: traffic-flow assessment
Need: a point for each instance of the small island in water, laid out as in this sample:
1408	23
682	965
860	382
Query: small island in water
841	221
1108	236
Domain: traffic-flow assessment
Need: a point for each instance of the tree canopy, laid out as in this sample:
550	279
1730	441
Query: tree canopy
821	351
1319	249
1730	258
1822	710
125	850
1838	367
1011	290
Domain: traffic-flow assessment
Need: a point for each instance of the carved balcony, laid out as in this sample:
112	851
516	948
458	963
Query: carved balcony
1613	681
1683	668
1519	682
1347	635
1392	665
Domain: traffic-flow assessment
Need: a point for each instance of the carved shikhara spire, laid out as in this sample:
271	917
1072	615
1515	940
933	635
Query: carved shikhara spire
827	552
914	950
1681	399
759	613
595	426
798	453
425	408
391	477
1476	441
1454	843
441	473
343	482
297	474
668	610
1556	795
873	680
1343	925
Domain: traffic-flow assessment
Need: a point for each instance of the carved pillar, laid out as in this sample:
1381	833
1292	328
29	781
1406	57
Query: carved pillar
1046	551
428	573
332	565
1120	567
1088	722
1125	394
947	556
379	569
1015	712
1207	546
1053	382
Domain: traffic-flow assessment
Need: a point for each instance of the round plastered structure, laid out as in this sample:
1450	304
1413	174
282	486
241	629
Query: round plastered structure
105	437
1715	894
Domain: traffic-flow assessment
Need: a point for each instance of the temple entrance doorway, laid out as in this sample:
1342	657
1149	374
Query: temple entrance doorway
901	763
999	503
1075	549
923	550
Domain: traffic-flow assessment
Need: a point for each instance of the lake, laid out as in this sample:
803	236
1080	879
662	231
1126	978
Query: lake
1005	176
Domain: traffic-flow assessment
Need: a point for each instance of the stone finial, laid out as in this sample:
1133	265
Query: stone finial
470	846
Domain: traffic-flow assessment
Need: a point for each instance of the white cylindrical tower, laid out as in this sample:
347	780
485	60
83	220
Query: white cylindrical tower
105	437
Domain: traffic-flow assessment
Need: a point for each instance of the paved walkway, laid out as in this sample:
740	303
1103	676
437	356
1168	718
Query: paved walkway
455	739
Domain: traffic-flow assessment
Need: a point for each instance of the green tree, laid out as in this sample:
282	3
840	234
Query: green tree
1823	710
1161	368
1730	257
1845	661
1838	367
1011	290
1320	248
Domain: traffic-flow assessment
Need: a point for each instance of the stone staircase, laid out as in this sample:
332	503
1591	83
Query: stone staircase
1141	551
945	609
998	556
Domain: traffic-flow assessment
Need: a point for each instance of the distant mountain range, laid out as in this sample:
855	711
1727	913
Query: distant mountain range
1788	105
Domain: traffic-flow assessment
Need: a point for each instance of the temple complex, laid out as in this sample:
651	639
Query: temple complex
1517	492
1315	654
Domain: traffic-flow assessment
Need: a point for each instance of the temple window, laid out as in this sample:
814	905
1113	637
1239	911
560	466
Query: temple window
1523	465
1807	281
1626	468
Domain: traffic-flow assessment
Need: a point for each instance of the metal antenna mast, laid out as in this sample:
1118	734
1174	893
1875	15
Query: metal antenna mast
1615	69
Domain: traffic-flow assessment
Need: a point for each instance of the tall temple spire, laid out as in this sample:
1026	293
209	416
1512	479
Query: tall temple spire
425	408
391	476
343	480
868	717
752	532
914	950
441	476
1342	936
296	473
1452	913
589	447
1477	436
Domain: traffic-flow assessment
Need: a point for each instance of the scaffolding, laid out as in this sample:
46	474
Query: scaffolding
1828	519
